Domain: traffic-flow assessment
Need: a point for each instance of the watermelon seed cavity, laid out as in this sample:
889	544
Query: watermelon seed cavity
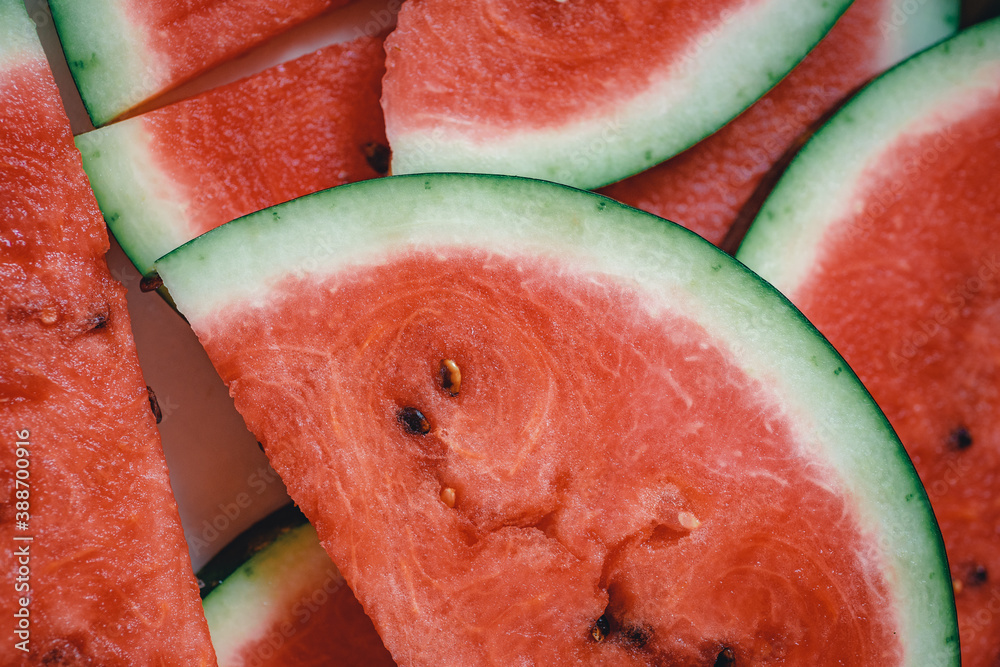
974	575
636	637
98	320
602	627
727	658
960	439
413	420
451	377
150	283
377	156
154	404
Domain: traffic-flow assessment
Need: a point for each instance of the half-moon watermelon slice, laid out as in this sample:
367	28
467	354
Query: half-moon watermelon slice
534	426
285	603
168	175
124	52
95	567
885	233
706	188
583	93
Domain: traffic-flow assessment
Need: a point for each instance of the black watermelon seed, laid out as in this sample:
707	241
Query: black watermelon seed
377	156
451	377
601	629
726	658
154	405
413	420
960	439
150	283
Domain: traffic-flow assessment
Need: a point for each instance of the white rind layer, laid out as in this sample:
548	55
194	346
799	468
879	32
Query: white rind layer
910	26
233	268
18	40
107	55
262	593
727	70
139	202
825	185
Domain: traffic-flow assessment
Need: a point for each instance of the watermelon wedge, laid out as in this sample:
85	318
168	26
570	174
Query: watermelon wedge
166	176
884	231
706	188
95	566
124	52
534	426
583	93
286	603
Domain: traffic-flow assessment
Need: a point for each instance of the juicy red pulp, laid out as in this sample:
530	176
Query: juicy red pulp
605	463
930	354
306	125
512	72
110	579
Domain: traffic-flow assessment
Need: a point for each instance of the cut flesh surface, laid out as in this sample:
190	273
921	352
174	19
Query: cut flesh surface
581	93
95	561
911	166
643	459
123	52
289	605
707	186
166	176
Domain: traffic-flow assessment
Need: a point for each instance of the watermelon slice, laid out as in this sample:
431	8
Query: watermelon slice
167	176
706	188
285	603
124	52
583	93
884	232
95	566
534	426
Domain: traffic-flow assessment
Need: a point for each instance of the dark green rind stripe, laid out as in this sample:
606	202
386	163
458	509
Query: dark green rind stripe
247	544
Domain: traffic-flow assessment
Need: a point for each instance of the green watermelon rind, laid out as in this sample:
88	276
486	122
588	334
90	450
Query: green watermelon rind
146	217
247	544
826	179
107	56
259	594
234	266
726	71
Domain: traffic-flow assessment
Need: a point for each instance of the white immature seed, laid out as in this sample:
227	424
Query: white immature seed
448	496
688	520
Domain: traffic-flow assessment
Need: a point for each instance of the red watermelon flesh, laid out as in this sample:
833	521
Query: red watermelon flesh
190	37
171	174
97	544
326	629
595	39
706	187
884	233
581	93
124	52
544	539
931	357
321	110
